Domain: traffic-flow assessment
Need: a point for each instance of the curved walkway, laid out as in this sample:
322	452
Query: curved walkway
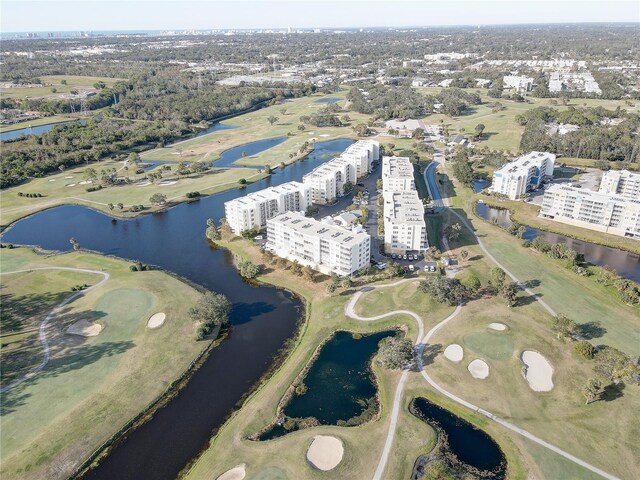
42	330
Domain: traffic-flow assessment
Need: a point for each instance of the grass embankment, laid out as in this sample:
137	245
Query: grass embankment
363	443
527	214
98	382
37	122
57	190
73	82
501	131
601	433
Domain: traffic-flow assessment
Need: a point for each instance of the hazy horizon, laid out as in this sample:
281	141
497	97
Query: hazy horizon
119	15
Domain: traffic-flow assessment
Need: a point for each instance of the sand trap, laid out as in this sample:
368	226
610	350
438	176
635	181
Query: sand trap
478	369
453	352
501	327
143	184
236	473
69	177
70	185
325	452
168	182
538	371
85	182
85	329
325	135
52	180
156	320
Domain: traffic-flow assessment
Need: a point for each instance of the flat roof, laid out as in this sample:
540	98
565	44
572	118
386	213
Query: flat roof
312	227
403	207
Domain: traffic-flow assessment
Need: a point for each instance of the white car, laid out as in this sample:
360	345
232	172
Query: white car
411	268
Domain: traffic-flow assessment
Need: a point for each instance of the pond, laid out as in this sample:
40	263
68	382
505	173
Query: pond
263	318
328	100
479	184
340	383
625	263
229	157
470	445
37	130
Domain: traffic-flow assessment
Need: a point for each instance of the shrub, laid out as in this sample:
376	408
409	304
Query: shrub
584	349
301	389
133	268
192	194
247	269
396	353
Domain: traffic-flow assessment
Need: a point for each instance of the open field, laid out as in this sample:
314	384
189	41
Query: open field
254	126
100	381
580	298
81	83
56	190
501	130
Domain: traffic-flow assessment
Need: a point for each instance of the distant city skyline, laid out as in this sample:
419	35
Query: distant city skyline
141	15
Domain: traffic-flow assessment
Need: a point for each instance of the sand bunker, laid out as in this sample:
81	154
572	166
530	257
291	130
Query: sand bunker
325	452
52	180
143	184
84	328
69	177
85	182
501	327
156	320
70	185
168	182
325	135
453	352
236	473
538	371
478	369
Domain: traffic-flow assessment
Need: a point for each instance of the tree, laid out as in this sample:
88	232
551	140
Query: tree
63	81
393	269
74	243
134	158
584	349
272	119
445	290
592	390
296	269
464	254
120	206
211	310
396	353
308	273
283	111
478	130
418	133
91	174
212	232
301	127
158	199
453	232
510	292
615	365
564	326
247	269
346	282
498	277
111	206
628	291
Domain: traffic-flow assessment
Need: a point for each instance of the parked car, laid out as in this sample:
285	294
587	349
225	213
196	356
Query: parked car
411	268
258	237
393	255
404	257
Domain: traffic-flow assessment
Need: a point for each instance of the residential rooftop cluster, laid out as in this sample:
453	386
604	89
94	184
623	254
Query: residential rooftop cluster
405	229
523	174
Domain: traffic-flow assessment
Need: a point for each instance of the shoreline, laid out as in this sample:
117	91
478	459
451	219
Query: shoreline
514	217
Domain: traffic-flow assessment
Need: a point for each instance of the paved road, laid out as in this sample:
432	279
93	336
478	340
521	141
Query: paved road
42	330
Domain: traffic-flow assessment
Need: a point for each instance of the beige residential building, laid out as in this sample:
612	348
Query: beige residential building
523	174
327	248
405	229
603	212
397	174
621	182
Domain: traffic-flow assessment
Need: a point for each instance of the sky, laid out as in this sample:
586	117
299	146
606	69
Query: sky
94	15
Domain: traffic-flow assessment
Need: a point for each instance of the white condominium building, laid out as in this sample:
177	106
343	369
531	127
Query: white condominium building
603	212
404	226
517	83
327	181
523	174
397	174
621	182
252	211
323	247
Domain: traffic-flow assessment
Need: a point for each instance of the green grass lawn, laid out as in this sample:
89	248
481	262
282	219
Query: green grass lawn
496	346
55	81
37	122
91	386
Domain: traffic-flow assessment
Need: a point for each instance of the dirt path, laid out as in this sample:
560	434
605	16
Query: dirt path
42	330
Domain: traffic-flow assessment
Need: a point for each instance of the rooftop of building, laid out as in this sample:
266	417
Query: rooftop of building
525	162
324	231
269	193
591	194
403	207
397	167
